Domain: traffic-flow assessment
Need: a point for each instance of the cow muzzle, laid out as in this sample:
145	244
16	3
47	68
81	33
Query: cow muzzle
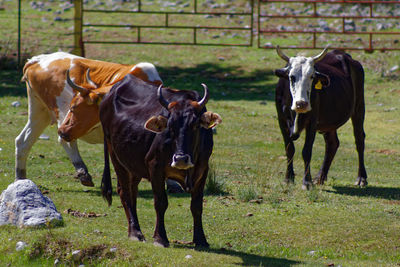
64	135
181	161
301	106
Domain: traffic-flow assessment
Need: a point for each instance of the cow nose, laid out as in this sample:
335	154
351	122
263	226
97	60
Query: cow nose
301	105
64	136
181	161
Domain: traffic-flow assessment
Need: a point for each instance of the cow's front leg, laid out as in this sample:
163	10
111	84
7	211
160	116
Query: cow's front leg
80	167
289	149
196	207
160	205
307	153
331	146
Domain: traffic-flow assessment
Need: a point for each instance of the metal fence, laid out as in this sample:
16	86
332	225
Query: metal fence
310	24
305	24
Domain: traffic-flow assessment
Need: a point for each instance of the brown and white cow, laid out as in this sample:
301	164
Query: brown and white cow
49	98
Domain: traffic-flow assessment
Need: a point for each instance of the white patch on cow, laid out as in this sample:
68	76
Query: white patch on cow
63	103
45	60
150	70
300	78
115	77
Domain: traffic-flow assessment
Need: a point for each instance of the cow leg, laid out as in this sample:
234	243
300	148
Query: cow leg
196	207
160	205
38	120
331	146
358	128
307	153
289	149
81	170
127	188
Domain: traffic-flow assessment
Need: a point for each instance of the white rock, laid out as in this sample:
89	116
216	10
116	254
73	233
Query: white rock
20	245
76	255
16	104
113	250
188	256
23	204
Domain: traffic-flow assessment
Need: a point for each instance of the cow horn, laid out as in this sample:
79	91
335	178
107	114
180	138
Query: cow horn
281	54
89	80
162	100
321	55
76	87
204	100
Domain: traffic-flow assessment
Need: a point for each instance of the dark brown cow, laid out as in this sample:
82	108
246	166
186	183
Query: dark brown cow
320	94
157	134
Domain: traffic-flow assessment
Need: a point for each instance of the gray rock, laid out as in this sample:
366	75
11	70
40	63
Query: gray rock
22	204
16	104
76	255
20	245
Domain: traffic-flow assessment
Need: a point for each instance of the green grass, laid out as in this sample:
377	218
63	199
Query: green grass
332	224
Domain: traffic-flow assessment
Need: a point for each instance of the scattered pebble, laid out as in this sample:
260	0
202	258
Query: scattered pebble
249	214
44	137
113	249
16	104
188	256
76	255
20	245
312	252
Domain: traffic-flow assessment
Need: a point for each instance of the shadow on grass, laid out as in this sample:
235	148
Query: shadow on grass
389	193
247	258
225	82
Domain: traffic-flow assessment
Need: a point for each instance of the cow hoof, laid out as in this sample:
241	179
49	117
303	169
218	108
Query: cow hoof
289	181
174	187
161	243
319	181
361	182
202	245
306	186
84	177
137	237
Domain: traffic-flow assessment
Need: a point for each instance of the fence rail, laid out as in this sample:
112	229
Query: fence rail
330	22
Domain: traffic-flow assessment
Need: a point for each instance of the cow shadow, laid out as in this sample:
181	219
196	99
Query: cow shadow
389	193
248	259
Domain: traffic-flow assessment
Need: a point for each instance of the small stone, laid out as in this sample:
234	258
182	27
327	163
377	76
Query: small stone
221	58
20	245
113	249
249	214
16	104
394	68
312	252
44	137
56	262
188	256
76	255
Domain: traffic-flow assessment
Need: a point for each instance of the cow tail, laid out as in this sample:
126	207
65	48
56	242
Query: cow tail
106	186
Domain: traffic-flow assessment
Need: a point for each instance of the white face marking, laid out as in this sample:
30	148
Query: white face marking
150	70
300	78
46	59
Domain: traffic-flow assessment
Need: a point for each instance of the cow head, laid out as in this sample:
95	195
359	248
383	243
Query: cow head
183	125
301	73
83	114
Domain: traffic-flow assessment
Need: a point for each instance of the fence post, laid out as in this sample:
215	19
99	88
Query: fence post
78	18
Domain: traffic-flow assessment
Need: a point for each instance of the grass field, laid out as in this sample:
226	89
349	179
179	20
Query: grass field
256	220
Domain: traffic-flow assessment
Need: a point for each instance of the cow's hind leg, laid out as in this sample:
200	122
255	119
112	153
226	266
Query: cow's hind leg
81	170
359	134
160	205
38	120
331	146
127	189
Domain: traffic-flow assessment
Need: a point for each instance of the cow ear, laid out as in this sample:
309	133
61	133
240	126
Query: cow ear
323	78
156	124
282	73
210	120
